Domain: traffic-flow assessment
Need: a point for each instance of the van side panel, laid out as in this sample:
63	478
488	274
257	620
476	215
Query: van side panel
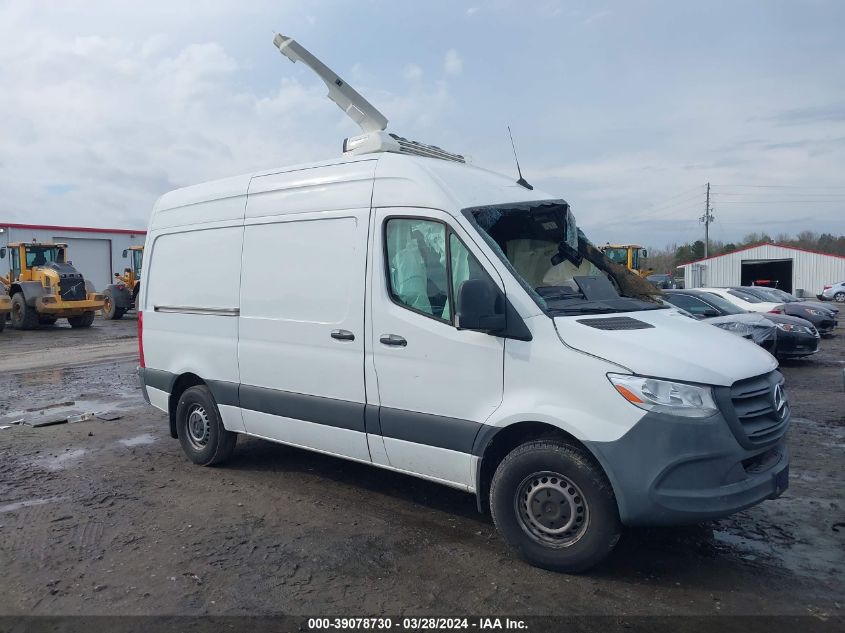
301	345
190	311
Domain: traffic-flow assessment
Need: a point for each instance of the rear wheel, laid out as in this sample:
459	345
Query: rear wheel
2	322
554	506
83	320
110	309
23	316
200	429
840	297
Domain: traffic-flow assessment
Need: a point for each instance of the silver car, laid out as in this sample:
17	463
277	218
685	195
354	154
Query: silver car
834	292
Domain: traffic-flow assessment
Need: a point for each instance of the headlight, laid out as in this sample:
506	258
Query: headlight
798	329
813	311
740	329
663	396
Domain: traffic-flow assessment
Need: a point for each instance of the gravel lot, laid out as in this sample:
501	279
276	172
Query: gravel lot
108	517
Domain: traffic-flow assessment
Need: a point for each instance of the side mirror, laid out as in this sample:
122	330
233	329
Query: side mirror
481	307
117	275
125	253
644	253
3	253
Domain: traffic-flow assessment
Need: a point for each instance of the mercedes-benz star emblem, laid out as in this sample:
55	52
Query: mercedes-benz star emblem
780	401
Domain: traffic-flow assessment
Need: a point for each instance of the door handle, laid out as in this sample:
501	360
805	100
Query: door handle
394	340
343	335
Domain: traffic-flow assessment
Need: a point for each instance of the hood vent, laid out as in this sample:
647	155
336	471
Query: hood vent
616	323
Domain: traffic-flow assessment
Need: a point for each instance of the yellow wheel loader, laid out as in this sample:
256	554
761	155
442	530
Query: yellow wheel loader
45	287
5	305
120	296
633	256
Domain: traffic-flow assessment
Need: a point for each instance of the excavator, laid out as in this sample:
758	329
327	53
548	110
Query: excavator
45	287
632	256
120	297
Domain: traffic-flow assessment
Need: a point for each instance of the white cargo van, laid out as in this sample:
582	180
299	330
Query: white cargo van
434	318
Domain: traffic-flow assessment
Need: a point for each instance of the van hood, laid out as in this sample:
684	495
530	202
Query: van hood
667	344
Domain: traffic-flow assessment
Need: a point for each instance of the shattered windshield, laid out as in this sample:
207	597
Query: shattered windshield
541	244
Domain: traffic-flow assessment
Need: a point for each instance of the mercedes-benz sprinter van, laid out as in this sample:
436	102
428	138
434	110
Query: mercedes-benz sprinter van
430	317
401	308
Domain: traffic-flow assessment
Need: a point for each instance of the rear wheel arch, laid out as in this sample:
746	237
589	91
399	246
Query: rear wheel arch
496	446
180	385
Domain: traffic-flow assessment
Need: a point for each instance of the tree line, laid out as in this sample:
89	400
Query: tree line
668	258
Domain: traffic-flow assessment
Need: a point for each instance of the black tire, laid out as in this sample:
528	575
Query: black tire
840	297
560	483
82	321
2	322
23	317
200	429
110	310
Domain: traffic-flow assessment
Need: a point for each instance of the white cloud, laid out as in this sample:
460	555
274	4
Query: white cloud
412	72
453	64
473	10
595	17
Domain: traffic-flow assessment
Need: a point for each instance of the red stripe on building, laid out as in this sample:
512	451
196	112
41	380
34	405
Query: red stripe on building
80	229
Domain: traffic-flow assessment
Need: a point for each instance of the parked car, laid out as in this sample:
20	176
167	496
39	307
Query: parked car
834	292
661	281
746	301
401	308
748	325
795	337
821	316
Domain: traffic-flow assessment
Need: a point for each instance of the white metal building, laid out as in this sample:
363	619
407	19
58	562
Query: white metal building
96	253
786	267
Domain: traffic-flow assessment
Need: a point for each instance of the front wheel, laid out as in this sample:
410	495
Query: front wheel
111	311
554	506
201	432
23	317
82	321
840	297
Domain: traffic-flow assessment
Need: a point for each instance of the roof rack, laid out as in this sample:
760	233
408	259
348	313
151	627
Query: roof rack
372	122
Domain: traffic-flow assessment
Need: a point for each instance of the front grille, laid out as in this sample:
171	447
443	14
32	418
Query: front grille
72	288
754	408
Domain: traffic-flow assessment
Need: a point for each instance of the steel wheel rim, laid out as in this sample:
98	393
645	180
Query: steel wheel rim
107	304
198	427
551	509
17	312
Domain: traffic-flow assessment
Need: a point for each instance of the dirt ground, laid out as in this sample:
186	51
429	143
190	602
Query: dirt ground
108	517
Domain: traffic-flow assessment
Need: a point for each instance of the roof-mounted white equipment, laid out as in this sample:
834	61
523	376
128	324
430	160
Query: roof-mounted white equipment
372	122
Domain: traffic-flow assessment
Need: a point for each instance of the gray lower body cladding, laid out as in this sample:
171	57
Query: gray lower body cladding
672	471
664	471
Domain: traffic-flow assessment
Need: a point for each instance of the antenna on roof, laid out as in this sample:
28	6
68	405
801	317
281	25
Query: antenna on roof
372	122
521	180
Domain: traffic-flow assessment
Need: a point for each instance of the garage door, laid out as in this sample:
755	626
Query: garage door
91	257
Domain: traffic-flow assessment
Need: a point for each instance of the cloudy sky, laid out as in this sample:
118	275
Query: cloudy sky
625	109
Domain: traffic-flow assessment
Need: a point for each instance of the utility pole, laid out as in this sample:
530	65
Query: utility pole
707	218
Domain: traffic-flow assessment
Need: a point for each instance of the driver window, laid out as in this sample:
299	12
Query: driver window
416	260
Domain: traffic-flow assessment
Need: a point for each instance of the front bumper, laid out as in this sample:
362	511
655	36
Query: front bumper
673	471
49	305
5	304
795	345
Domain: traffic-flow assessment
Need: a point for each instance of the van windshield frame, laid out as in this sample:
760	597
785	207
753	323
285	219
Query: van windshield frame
546	228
